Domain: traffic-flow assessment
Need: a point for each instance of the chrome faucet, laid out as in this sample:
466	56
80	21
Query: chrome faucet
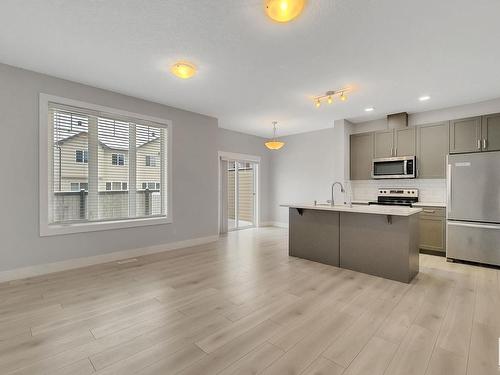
332	202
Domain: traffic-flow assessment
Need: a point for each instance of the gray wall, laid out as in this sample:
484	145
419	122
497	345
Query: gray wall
303	170
194	174
231	141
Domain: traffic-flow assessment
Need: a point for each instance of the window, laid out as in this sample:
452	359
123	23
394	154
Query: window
117	159
81	156
150	185
93	136
78	186
150	161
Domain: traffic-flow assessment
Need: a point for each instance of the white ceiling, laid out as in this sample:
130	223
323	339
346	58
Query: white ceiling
253	71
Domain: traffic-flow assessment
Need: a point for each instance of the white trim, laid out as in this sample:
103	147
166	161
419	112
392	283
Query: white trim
238	157
64	265
274	224
232	156
44	171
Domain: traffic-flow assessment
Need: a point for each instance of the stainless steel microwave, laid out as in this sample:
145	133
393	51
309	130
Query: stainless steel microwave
394	167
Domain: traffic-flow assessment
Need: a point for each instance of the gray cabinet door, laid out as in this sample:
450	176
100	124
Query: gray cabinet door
433	229
384	144
361	156
465	135
490	132
432	233
405	143
314	235
432	147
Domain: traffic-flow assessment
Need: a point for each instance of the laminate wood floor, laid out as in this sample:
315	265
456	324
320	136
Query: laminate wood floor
242	306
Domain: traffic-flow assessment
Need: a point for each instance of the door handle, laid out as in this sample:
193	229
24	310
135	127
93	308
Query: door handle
395	151
479	144
429	211
448	189
484	144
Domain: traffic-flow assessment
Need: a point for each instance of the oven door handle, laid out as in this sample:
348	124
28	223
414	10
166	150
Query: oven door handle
405	167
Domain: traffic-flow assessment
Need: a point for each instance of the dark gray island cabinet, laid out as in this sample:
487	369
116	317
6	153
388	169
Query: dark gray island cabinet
377	240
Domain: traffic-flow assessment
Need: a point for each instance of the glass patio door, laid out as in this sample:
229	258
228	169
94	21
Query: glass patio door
241	187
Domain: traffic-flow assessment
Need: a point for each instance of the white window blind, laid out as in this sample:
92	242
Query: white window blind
97	166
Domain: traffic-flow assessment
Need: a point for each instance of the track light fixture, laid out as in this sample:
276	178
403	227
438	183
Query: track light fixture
330	97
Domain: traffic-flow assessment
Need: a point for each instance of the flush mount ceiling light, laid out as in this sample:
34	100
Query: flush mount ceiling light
369	109
330	97
284	10
274	144
183	70
424	98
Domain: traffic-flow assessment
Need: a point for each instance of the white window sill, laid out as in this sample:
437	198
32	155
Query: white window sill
58	229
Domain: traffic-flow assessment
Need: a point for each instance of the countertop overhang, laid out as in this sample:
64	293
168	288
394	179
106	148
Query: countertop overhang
360	209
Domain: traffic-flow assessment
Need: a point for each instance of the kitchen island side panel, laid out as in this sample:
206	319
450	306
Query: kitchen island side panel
377	246
314	235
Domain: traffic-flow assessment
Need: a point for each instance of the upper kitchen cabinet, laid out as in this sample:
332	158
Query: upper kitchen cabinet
384	144
432	147
404	142
490	132
465	135
361	155
394	142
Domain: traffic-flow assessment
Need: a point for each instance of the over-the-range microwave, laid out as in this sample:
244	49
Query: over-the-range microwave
394	167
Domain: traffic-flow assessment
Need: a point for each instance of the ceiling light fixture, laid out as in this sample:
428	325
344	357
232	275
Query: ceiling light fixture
274	144
369	109
183	70
284	10
424	98
330	97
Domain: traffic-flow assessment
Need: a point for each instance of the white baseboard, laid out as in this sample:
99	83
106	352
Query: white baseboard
274	224
42	269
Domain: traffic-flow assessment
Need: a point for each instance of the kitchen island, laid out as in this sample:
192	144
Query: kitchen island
378	240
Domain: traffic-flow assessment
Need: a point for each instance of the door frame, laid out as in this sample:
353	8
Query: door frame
224	155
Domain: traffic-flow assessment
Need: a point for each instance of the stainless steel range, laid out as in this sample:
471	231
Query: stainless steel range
396	197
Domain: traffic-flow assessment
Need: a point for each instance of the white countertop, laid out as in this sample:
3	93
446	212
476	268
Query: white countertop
360	208
418	204
427	204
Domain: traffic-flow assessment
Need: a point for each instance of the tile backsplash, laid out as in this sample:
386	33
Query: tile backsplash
430	190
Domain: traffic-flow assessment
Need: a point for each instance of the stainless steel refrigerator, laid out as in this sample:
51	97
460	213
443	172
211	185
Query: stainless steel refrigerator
473	207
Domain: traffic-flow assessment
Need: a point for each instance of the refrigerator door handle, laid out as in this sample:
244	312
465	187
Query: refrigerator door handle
484	144
448	189
479	144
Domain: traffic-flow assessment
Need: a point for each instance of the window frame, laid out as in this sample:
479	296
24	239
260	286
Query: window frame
85	156
45	172
151	161
115	156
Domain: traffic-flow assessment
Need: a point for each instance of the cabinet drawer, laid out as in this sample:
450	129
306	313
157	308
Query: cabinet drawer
433	212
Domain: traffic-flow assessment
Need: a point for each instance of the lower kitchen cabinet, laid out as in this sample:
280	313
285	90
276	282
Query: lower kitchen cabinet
314	235
433	229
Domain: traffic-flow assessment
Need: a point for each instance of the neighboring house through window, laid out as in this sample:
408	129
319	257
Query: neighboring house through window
117	159
77	186
150	161
81	156
72	131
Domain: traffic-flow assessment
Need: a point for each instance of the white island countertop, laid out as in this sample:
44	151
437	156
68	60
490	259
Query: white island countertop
358	208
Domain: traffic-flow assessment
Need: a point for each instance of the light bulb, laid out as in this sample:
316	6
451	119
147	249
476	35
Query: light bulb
343	97
318	103
183	70
284	10
330	99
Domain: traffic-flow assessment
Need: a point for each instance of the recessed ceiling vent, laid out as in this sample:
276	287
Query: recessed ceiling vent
397	120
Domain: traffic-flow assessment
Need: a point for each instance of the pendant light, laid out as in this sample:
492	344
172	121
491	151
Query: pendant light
274	144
